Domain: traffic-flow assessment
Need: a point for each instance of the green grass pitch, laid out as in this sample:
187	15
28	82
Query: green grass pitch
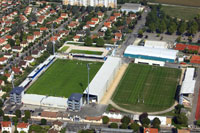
154	85
64	77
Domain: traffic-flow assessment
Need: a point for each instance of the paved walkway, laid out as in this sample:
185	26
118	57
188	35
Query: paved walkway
113	86
134	112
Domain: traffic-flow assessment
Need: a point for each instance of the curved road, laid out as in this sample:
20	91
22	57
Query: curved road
134	112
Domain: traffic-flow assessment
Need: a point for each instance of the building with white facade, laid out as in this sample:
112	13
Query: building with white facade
101	3
130	7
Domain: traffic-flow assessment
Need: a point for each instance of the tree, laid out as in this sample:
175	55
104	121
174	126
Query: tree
172	28
135	126
11	42
113	125
88	41
126	120
156	123
162	26
18	113
105	119
100	42
27	114
108	34
15	120
178	108
24	119
1	103
140	33
192	27
6	118
145	122
142	116
43	122
182	28
123	126
181	119
198	122
1	113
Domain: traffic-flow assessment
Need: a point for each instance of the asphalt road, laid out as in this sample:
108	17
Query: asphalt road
132	36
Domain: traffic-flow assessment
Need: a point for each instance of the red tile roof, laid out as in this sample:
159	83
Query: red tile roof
6	124
3	59
195	59
22	125
150	130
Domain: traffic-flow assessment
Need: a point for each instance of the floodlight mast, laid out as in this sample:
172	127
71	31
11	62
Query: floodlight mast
88	98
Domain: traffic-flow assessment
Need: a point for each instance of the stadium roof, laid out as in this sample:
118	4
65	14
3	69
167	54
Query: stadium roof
156	44
75	97
188	84
101	79
188	87
153	52
17	90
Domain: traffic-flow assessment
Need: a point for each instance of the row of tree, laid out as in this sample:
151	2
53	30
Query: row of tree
158	21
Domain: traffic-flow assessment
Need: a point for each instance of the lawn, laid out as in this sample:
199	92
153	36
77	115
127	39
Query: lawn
64	77
86	52
186	13
63	49
195	3
153	85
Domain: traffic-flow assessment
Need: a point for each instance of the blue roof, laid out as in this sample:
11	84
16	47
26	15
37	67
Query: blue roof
17	90
75	96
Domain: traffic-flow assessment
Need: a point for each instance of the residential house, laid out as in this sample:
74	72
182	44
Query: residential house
76	38
133	16
29	59
17	49
8	55
117	15
86	27
23	127
72	26
107	24
24	44
3	60
118	36
9	77
2	83
91	24
58	125
36	34
31	39
43	29
81	33
36	54
150	130
100	15
23	64
41	49
112	19
96	20
64	15
33	24
7	47
101	34
6	126
17	70
3	42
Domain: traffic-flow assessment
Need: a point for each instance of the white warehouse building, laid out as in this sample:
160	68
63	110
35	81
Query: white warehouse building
151	56
102	80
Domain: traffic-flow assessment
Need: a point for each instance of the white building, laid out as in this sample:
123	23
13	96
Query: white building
187	88
42	100
130	7
103	79
106	3
23	127
6	126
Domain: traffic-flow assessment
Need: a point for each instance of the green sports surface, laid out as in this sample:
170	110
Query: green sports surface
146	88
64	77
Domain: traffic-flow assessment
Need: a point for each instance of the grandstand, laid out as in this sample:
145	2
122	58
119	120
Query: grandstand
187	88
103	79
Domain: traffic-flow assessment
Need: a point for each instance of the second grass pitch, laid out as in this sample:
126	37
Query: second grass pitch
147	88
64	77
